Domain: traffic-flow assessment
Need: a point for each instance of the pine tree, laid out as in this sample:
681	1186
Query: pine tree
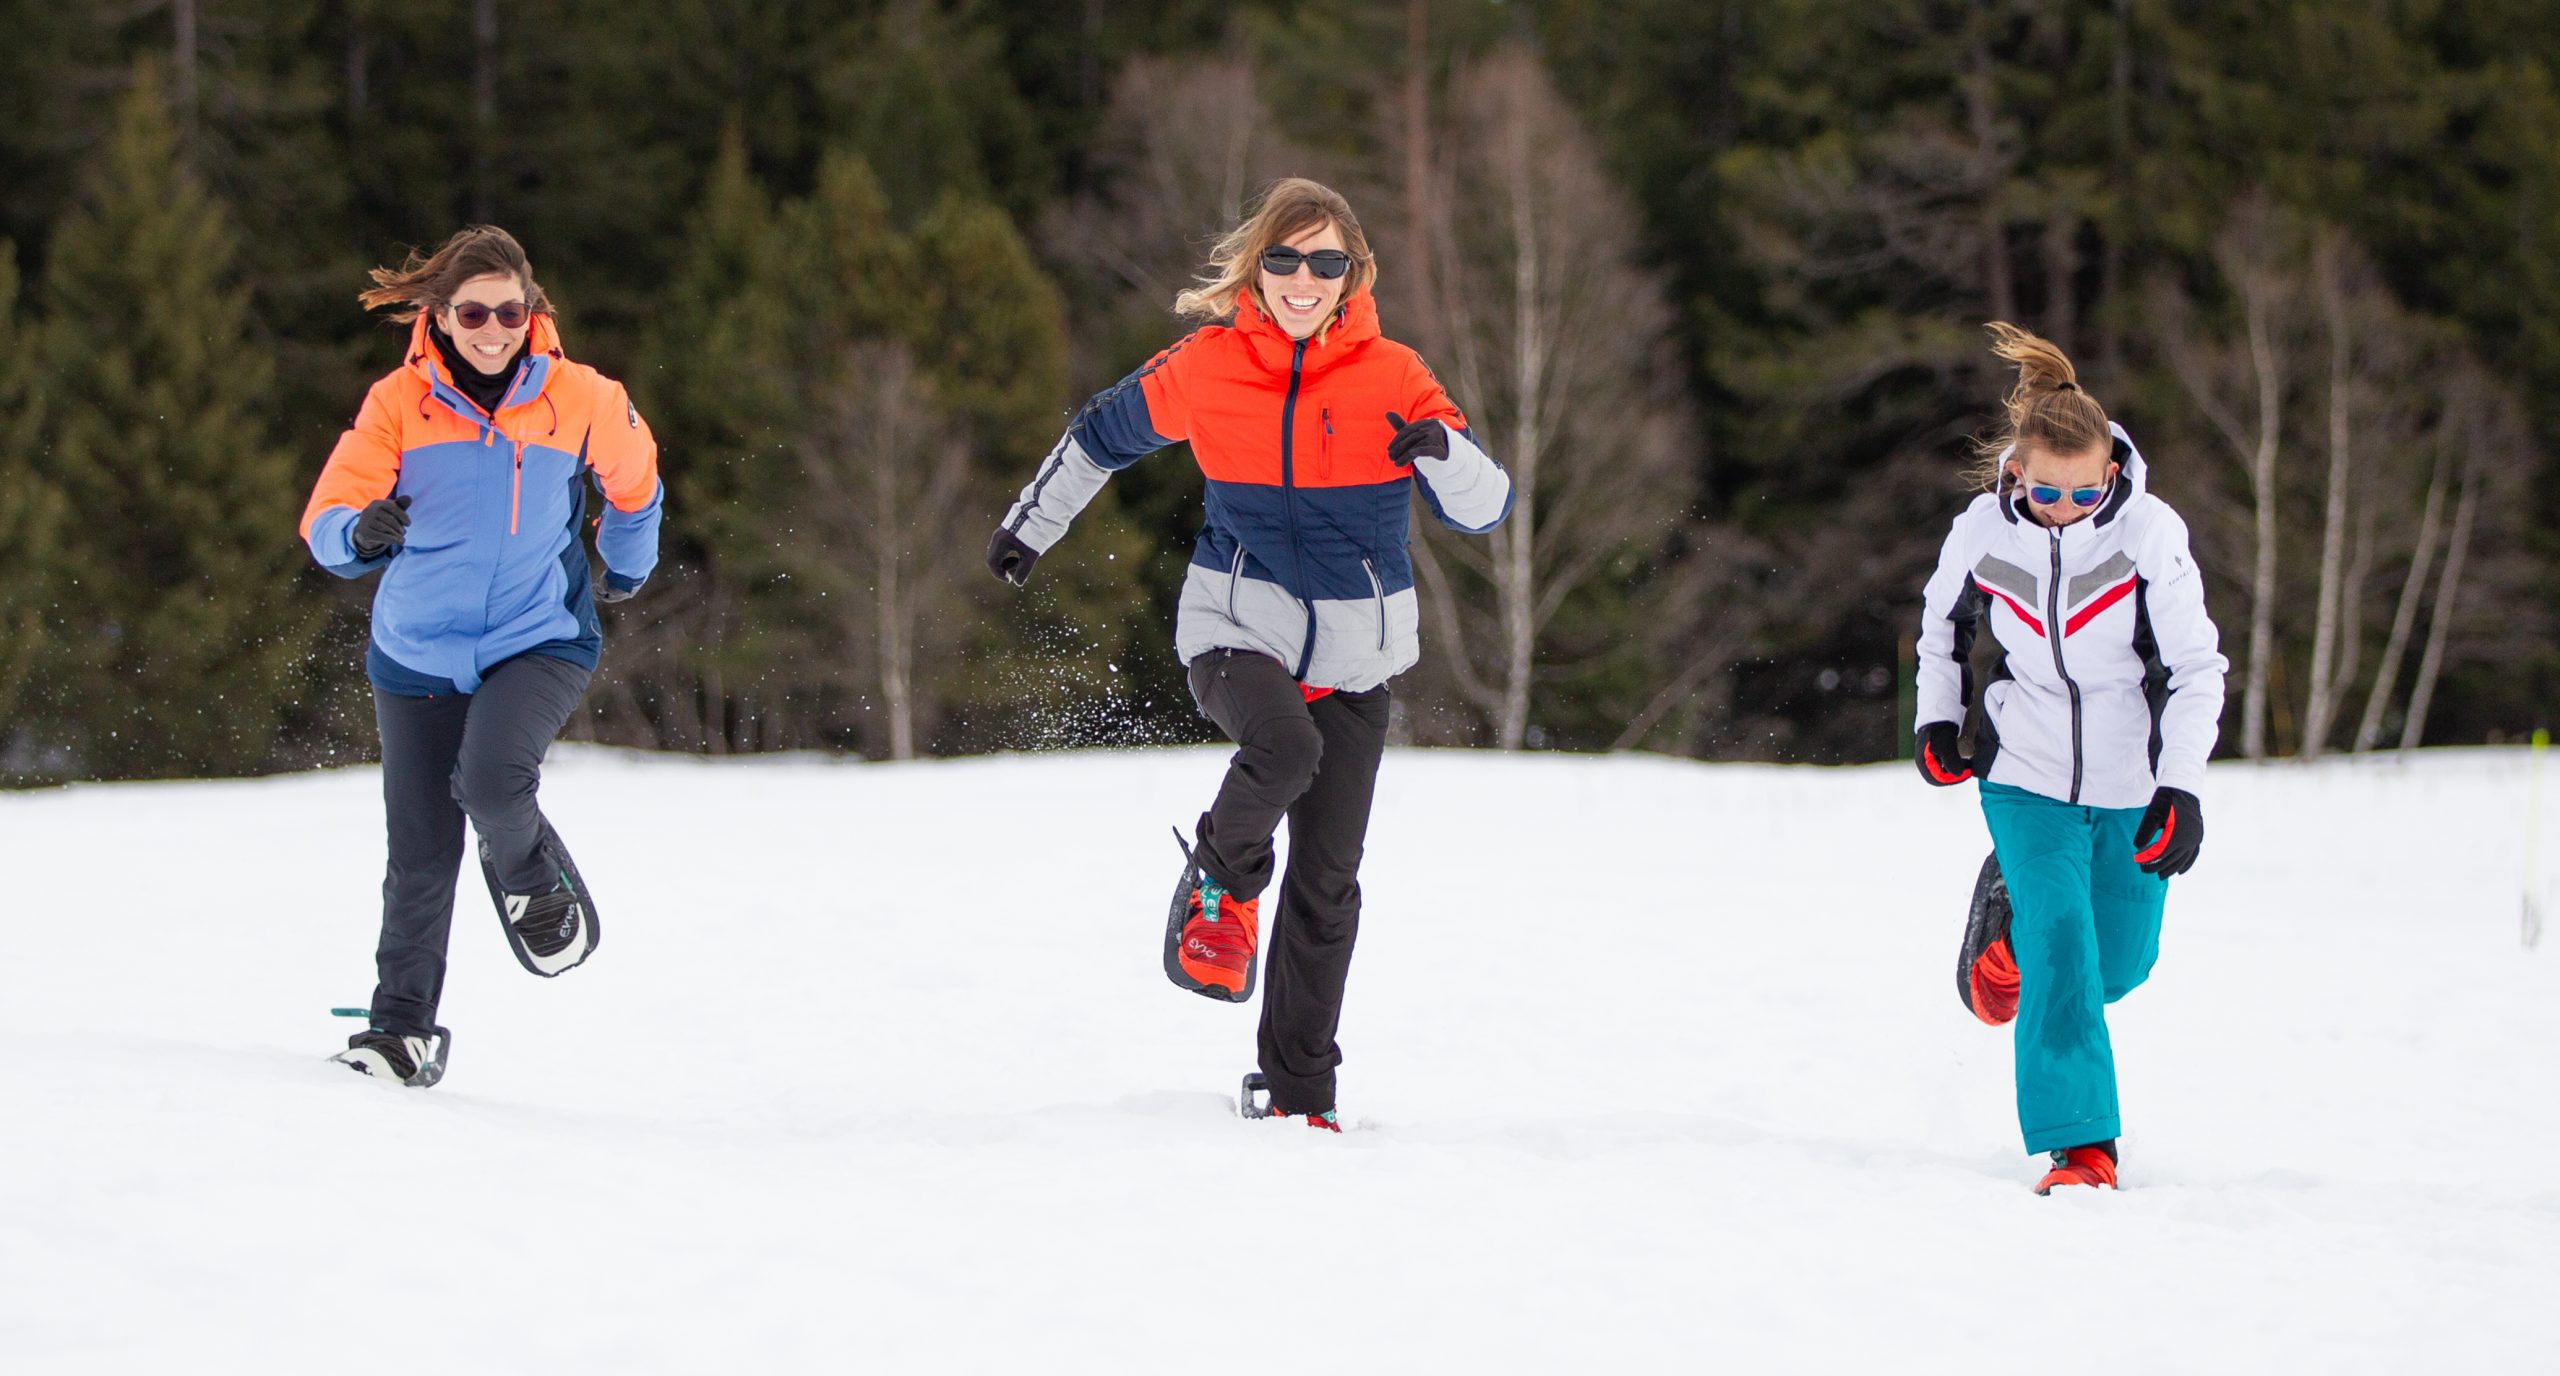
183	620
1053	666
30	506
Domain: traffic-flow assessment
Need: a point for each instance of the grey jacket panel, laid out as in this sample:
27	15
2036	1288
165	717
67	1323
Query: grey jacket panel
1065	484
1359	643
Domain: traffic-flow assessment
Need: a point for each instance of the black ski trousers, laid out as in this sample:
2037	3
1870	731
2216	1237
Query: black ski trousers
477	754
1315	763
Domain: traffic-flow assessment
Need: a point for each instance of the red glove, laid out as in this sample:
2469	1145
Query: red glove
1940	761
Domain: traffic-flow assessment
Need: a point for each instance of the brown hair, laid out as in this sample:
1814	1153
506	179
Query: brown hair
2046	409
1286	209
426	282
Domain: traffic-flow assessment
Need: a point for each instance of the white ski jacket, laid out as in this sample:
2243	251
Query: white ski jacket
2110	682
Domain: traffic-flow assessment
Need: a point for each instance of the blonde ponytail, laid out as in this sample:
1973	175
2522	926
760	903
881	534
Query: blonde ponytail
2046	409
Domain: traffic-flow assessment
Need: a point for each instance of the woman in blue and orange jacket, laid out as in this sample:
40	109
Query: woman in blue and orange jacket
464	481
1314	431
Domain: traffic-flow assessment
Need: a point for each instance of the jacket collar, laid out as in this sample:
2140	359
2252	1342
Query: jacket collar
2133	479
542	356
1355	323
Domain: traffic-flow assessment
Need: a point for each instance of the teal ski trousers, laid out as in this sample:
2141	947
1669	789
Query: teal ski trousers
2085	928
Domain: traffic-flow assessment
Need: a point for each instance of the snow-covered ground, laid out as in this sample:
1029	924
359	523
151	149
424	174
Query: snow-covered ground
1653	1066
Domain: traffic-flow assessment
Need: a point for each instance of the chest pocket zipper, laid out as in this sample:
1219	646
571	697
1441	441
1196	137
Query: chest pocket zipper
1380	590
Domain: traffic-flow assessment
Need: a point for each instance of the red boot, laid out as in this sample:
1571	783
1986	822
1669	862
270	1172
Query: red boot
1991	986
1218	934
2093	1165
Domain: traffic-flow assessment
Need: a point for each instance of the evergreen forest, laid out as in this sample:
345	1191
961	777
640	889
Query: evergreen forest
1708	276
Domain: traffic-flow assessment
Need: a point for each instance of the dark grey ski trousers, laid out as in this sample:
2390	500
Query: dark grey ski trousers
477	754
1315	763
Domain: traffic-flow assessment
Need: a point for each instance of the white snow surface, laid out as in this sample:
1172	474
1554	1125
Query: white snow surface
1651	1065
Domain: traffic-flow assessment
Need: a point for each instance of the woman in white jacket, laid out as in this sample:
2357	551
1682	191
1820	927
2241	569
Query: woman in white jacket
2092	743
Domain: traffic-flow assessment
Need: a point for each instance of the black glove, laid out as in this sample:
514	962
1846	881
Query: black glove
613	587
1418	439
380	527
2179	819
1010	559
1940	761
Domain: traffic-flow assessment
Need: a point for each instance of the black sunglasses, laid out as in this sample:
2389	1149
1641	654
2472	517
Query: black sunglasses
471	315
1327	263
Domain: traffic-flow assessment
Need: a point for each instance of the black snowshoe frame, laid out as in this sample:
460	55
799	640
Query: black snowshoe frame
1986	925
1254	1101
592	929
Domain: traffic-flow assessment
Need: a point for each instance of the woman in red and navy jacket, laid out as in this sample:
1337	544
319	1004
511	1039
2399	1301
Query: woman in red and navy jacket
1314	430
464	480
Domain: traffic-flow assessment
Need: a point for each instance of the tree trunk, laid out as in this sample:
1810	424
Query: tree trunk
359	63
1994	227
2320	707
1417	175
2387	674
2120	173
1517	565
2441	615
484	110
887	543
182	15
2262	482
2061	255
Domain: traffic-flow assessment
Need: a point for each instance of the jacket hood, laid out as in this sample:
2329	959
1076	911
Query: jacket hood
2133	479
1355	323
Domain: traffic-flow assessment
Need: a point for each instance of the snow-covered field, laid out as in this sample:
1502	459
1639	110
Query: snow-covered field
1652	1065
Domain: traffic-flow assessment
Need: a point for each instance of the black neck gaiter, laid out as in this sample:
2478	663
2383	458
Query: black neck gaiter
482	388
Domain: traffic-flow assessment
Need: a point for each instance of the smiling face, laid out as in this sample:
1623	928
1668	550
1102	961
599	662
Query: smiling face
490	347
2035	466
1301	302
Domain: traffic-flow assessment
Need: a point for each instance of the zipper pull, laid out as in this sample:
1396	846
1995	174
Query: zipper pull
1327	413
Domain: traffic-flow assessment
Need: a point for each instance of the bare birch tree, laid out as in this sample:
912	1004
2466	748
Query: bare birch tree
1557	348
2357	324
2440	614
1184	146
2412	591
890	531
2251	253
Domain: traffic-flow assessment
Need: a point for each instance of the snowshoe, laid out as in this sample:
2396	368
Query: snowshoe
414	1061
553	931
1255	1102
1986	968
1209	935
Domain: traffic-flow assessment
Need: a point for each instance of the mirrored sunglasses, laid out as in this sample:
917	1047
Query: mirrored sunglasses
2042	495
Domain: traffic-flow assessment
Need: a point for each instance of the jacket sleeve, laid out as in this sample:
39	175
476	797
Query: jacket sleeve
1125	422
361	471
1468	491
1950	612
623	455
2190	649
